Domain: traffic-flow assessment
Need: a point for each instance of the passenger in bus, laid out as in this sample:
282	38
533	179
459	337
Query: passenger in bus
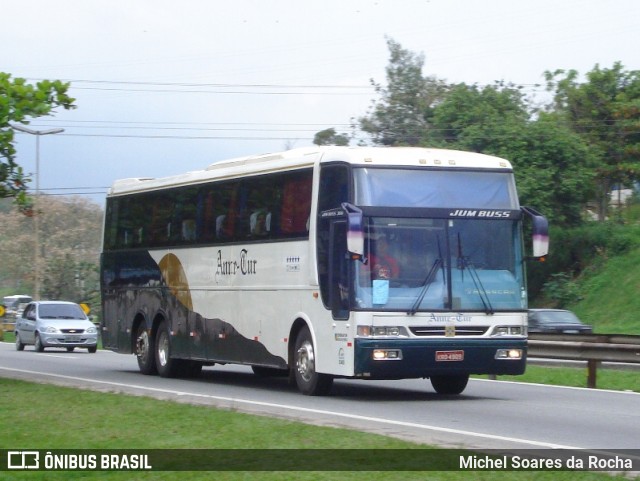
260	223
220	225
383	264
189	230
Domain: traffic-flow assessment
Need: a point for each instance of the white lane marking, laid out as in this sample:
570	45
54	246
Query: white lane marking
305	410
554	386
59	356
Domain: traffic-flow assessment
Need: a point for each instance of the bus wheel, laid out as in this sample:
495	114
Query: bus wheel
167	367
308	380
144	351
449	384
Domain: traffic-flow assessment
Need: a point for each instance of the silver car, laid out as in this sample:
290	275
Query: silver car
55	324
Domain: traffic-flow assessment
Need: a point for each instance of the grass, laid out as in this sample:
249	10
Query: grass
609	297
50	417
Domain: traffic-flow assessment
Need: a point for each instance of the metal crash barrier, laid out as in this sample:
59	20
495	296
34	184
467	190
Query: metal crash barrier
592	348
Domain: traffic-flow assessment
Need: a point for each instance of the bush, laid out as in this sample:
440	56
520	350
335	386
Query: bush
561	290
576	250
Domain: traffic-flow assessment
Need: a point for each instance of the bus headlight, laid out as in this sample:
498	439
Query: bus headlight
387	355
512	354
381	331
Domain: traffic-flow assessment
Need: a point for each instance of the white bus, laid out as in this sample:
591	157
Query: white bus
323	263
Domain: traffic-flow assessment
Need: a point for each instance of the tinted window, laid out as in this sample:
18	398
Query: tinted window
60	311
274	206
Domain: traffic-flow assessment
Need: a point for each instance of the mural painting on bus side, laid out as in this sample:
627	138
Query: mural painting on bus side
176	279
225	342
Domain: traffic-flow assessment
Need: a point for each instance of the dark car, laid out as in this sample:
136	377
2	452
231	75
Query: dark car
556	321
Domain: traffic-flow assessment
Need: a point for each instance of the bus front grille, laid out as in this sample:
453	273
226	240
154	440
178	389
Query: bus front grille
449	331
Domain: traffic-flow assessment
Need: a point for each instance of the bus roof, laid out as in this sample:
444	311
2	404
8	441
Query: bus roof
309	156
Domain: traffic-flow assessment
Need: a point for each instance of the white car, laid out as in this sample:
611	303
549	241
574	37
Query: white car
55	324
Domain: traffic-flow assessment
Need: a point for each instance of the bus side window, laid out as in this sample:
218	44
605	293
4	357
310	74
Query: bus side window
339	272
334	190
296	206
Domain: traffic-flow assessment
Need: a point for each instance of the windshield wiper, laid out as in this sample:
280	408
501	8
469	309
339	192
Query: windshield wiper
427	281
464	262
425	286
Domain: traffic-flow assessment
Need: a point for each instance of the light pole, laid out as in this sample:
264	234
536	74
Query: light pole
36	214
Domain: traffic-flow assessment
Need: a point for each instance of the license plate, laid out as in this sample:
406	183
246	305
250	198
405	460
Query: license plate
73	338
449	355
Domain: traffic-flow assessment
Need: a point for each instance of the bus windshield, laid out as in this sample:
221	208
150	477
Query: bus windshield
435	188
415	264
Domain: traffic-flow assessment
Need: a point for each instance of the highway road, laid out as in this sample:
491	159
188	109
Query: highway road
488	415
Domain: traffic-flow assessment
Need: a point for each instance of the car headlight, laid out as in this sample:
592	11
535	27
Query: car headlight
51	330
91	330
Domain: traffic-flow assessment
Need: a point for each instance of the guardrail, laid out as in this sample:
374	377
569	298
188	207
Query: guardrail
592	348
8	326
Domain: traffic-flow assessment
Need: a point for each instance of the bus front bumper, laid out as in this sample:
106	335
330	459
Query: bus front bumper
416	358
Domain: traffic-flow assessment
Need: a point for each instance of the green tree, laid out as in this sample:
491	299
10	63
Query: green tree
605	111
553	169
480	119
402	115
19	103
552	164
330	137
71	230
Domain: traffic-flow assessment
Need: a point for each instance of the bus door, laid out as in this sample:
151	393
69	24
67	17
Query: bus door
335	345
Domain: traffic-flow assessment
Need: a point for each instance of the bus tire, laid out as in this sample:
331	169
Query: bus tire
165	364
309	382
144	351
450	384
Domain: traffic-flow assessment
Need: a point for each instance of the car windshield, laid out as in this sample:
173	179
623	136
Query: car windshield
60	311
558	317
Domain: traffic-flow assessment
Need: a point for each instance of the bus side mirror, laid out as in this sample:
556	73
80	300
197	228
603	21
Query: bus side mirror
540	232
355	233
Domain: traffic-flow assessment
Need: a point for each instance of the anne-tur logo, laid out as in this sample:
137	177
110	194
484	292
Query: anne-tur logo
23	460
244	265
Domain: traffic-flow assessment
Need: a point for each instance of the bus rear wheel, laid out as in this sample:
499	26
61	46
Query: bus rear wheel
449	384
144	351
309	381
167	366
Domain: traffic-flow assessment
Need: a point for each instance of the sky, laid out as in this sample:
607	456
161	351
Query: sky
164	87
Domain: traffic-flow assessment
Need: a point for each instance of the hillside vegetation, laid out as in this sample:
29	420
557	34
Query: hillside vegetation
594	270
610	296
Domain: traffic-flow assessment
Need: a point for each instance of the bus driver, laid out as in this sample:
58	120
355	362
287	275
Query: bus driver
383	265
